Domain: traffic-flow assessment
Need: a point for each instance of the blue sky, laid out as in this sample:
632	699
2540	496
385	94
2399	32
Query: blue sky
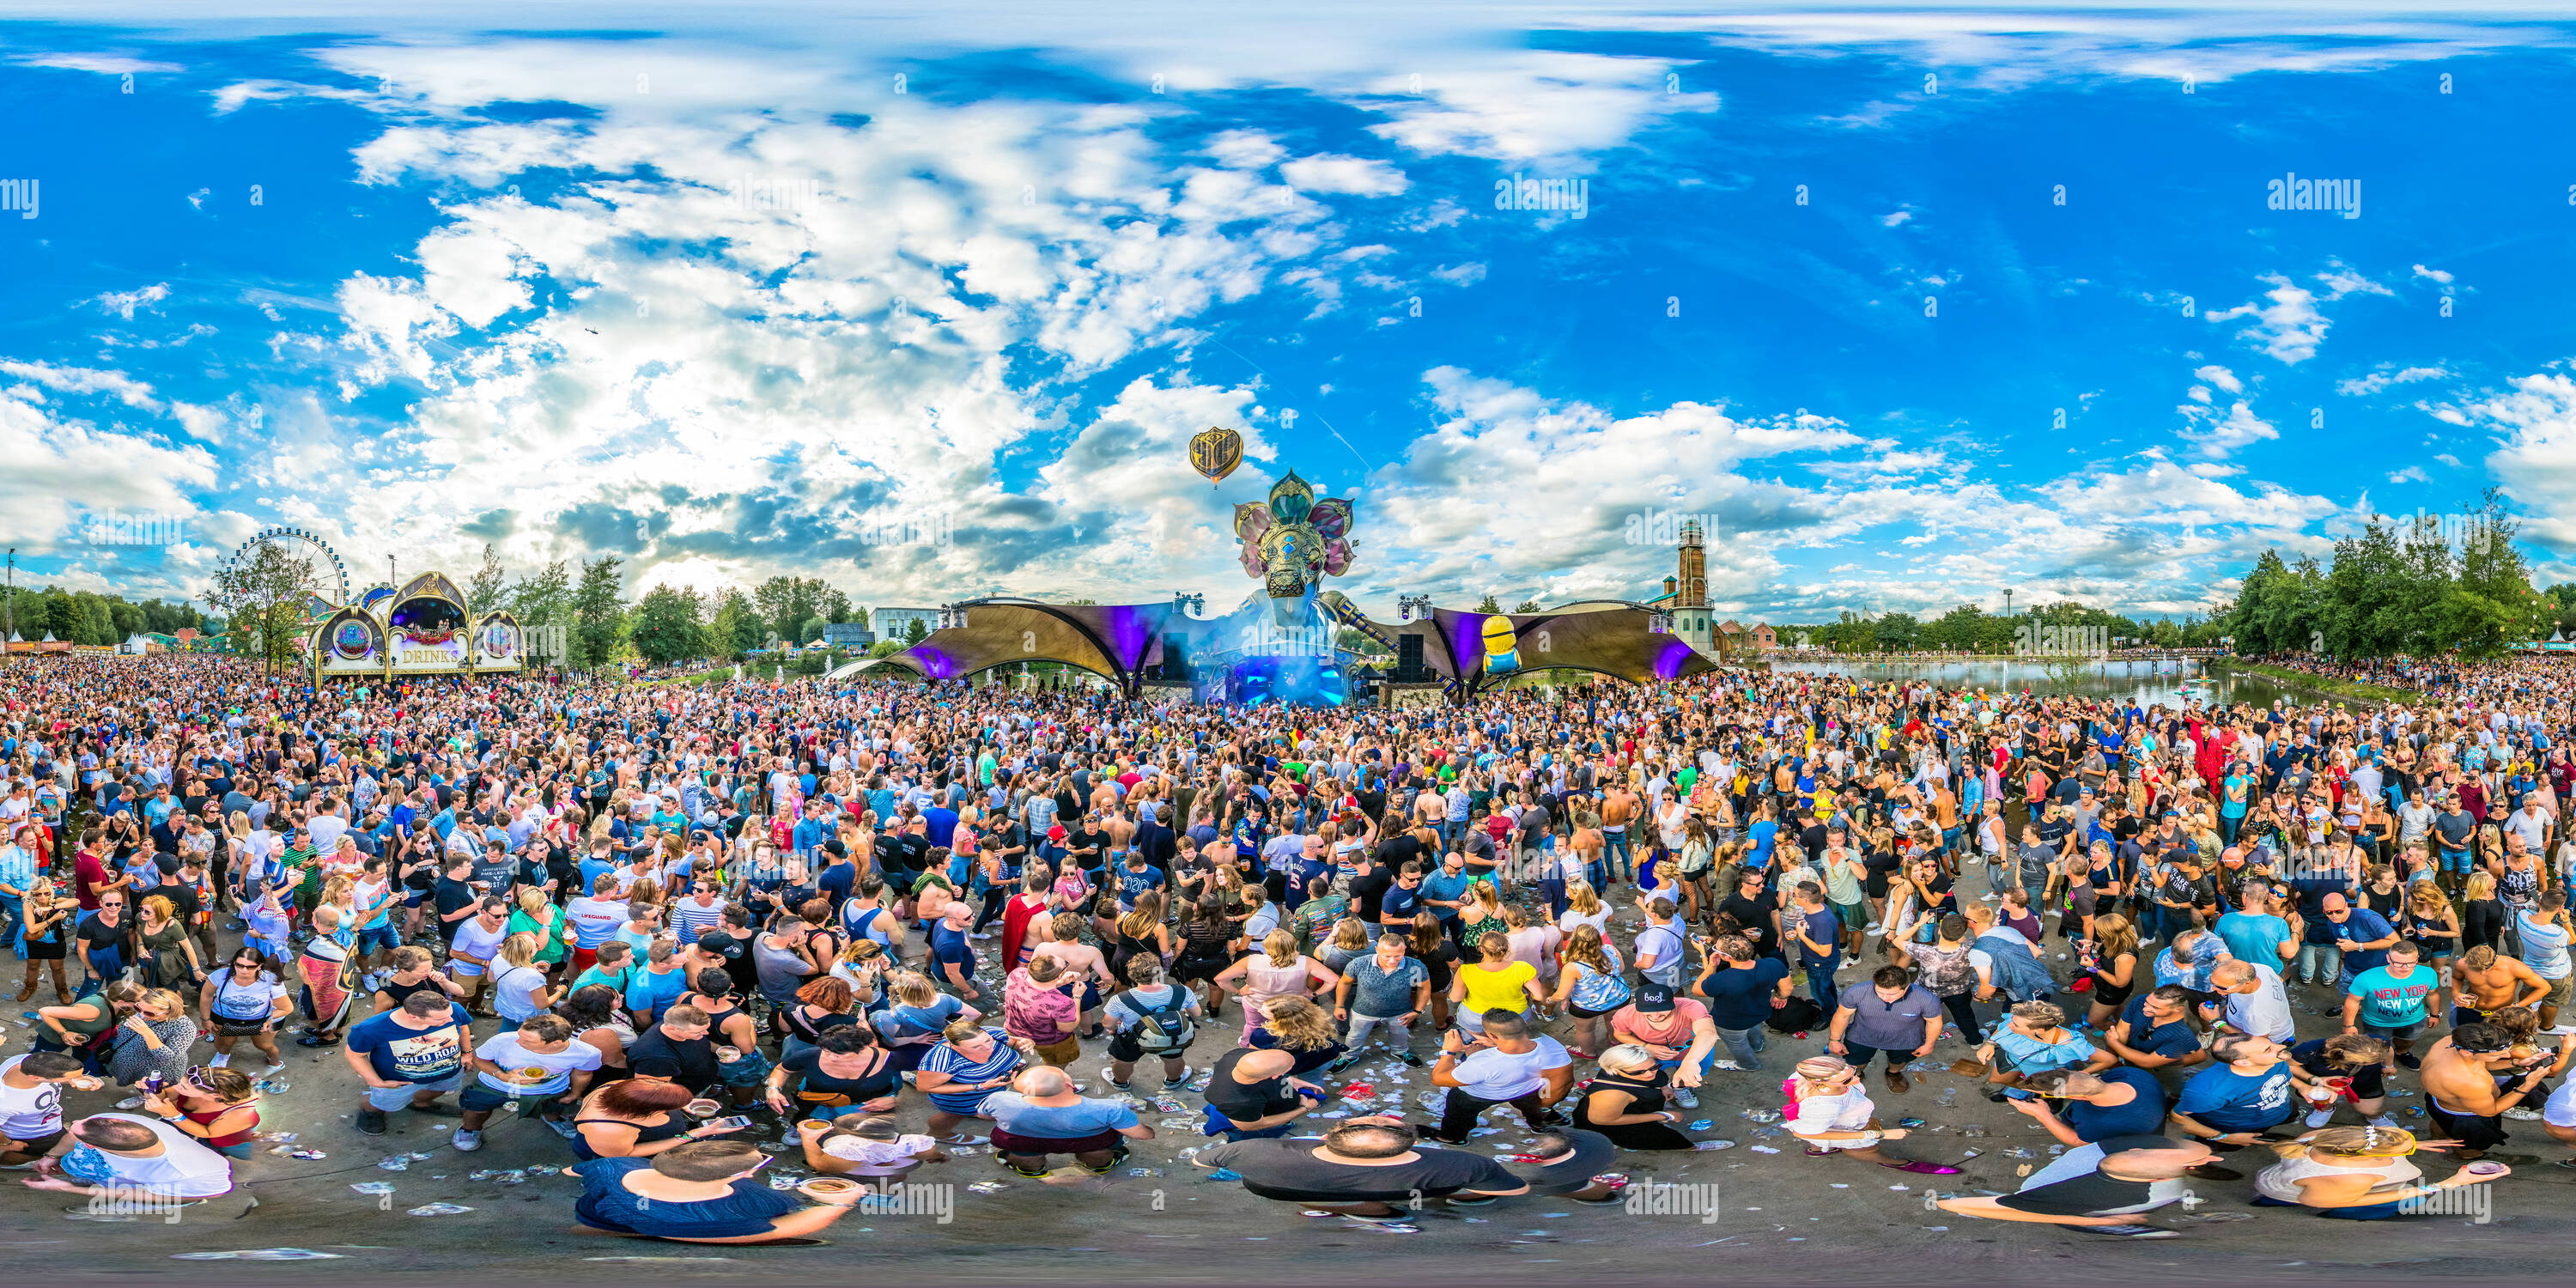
725	294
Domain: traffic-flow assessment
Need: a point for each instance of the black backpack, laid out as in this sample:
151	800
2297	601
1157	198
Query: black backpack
1166	1027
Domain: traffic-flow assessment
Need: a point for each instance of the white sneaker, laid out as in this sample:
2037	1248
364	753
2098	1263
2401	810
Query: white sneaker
1875	929
2565	1030
2383	1121
1726	1064
468	1141
2320	1117
220	1060
1685	1097
2526	1115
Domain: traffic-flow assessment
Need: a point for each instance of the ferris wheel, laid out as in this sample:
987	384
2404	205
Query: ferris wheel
330	579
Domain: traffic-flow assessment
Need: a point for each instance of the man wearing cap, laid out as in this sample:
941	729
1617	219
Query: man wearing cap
1679	1031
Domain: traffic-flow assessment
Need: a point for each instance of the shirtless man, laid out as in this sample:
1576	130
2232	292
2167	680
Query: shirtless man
1619	810
2486	982
2460	1091
1066	946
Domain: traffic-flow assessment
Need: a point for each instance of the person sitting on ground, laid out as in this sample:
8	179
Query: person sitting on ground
869	1146
1041	1114
2121	1184
1362	1168
123	1154
1567	1163
2357	1174
700	1192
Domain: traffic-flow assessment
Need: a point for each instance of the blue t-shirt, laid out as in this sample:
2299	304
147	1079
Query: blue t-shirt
1013	1113
951	947
2361	927
1399	903
649	993
607	1204
1739	997
1444	887
401	1054
2390	1002
2254	937
2173	1038
1132	884
2220	1097
2144	1116
1761	834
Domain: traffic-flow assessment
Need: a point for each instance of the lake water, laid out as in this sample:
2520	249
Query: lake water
2147	683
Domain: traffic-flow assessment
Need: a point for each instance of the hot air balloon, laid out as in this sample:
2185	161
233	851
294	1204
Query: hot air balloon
1215	453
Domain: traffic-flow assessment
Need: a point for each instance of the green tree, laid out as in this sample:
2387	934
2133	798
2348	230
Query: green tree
1527	606
737	628
485	592
835	606
545	598
1489	604
261	598
915	631
599	612
668	625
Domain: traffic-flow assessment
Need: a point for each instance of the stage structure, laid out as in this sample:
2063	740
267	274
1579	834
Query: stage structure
1281	644
423	628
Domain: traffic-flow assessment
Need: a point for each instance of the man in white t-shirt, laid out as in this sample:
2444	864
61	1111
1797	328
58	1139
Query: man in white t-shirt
538	1065
1505	1064
137	1159
2256	1002
31	1104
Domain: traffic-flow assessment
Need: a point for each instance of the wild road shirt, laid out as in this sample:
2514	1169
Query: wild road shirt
2221	1097
401	1054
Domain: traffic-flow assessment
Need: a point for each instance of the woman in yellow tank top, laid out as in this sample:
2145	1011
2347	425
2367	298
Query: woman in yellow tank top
1497	983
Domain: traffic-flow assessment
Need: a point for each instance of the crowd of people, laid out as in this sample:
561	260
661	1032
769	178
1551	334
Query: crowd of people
693	928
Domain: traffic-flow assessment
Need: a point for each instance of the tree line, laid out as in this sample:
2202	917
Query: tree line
2402	586
89	617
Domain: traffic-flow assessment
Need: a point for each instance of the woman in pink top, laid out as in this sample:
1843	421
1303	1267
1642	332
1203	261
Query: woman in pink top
1278	970
1533	944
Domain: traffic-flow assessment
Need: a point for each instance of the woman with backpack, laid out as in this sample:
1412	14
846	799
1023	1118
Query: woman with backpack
1151	1018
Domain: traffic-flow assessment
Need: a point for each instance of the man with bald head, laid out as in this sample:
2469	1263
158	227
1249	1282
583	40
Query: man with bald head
1041	1114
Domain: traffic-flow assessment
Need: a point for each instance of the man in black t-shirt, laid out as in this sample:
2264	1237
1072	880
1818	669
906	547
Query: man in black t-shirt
1359	1169
1757	911
1252	1090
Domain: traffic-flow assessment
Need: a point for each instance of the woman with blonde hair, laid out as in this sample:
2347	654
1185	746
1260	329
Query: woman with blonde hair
1302	1029
1482	913
1278	970
2110	960
1583	907
154	1040
1830	1110
1350	939
169	956
1495	983
863	966
546	922
2358	1174
519	988
1588	987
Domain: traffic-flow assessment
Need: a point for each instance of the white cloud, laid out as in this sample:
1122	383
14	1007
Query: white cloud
2411	474
2383	378
1357	176
2221	377
2535	458
103	64
2289	328
2432	274
123	303
1895	218
2214	435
